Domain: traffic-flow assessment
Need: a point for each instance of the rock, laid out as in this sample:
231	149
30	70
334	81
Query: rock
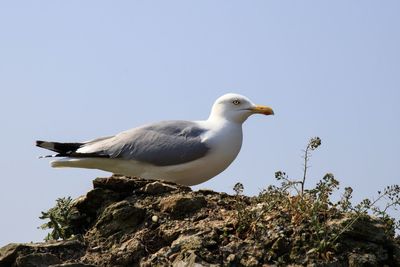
119	184
363	260
157	188
37	260
190	259
185	243
120	216
8	254
180	205
369	229
250	261
134	222
231	258
95	199
30	254
130	251
208	192
280	247
131	184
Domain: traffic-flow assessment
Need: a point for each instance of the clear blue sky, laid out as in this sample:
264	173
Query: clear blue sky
75	70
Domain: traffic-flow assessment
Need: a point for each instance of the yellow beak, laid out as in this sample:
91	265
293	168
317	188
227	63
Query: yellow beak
262	110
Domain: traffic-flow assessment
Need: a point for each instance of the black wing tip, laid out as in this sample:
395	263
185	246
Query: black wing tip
45	144
39	142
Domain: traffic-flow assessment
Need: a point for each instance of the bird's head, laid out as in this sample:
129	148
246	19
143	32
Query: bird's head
237	108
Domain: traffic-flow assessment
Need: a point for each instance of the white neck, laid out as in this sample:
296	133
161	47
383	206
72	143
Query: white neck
232	116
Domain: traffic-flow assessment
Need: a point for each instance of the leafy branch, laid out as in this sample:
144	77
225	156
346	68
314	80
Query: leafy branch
313	144
59	218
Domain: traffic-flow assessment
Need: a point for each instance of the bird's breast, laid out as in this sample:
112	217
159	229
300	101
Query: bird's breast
225	143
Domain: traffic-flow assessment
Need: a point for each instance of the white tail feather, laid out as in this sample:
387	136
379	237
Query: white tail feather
88	163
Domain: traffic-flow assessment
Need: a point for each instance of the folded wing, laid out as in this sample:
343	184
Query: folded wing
161	144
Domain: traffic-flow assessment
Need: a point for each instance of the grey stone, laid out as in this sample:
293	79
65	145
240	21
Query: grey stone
119	216
155	188
363	260
180	205
36	260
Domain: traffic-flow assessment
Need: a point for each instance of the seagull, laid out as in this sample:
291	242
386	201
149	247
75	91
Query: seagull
184	152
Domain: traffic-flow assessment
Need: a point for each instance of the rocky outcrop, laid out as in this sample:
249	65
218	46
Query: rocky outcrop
133	222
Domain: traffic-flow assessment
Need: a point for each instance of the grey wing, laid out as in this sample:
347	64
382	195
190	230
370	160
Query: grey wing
161	144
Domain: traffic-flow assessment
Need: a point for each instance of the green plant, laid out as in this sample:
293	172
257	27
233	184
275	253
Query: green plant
305	215
367	206
59	217
244	215
313	144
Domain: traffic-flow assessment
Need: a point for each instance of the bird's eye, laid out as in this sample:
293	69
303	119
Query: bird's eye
236	102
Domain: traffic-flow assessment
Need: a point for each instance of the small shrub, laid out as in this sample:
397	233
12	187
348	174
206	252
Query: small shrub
244	215
59	217
304	214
